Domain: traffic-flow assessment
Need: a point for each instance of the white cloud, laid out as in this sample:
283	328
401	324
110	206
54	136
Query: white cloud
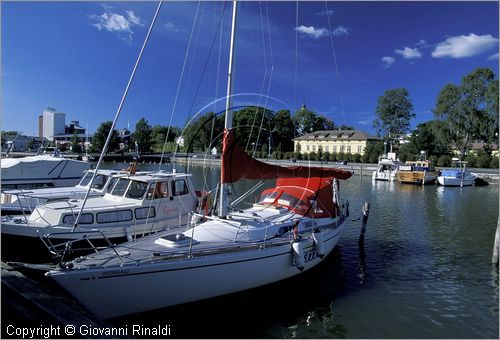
170	26
311	31
387	61
118	23
324	13
341	30
409	53
493	56
365	122
465	46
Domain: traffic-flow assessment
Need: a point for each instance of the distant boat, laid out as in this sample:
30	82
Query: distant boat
25	200
41	171
456	177
417	172
388	166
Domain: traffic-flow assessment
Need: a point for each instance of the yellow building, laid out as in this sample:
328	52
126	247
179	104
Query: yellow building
334	141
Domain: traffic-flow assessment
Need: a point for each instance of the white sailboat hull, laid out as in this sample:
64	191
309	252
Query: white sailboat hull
455	182
169	283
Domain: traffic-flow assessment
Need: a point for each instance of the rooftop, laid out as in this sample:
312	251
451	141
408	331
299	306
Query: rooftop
337	135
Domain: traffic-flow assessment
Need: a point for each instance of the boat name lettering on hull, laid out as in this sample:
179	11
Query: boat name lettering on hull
310	255
115	272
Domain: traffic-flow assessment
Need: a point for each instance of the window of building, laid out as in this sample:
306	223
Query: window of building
334	149
342	148
314	148
348	149
359	148
327	148
307	147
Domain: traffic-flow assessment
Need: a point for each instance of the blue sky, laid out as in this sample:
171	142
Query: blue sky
337	58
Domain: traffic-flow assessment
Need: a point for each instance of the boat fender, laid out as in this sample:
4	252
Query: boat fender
318	243
298	255
127	233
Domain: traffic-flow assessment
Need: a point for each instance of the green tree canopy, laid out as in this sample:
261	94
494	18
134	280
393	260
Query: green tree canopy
394	112
283	131
142	135
307	121
203	133
470	110
102	134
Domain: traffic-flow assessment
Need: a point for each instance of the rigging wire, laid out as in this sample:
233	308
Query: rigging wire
178	87
270	77
207	60
335	61
118	111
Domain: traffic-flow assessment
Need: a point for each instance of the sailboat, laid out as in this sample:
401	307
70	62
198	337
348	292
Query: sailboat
289	231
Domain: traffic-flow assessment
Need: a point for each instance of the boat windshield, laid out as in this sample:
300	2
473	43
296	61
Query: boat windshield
136	190
120	187
99	180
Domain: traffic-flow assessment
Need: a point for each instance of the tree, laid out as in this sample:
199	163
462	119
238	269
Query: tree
159	137
142	135
429	137
283	131
75	145
470	110
102	134
307	121
203	133
252	127
394	112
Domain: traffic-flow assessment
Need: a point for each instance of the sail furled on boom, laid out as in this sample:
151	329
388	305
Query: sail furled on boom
237	164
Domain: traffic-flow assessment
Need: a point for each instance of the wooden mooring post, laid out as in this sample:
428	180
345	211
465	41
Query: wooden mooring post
496	245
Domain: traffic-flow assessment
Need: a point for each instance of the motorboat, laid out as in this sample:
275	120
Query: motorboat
290	230
41	171
421	171
134	205
24	201
388	165
457	177
417	172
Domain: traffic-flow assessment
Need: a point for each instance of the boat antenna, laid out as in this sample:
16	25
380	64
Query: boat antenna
117	114
228	123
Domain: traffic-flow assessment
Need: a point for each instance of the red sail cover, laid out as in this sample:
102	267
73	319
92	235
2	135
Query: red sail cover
237	164
298	195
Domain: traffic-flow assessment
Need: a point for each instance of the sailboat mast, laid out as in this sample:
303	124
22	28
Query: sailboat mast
228	122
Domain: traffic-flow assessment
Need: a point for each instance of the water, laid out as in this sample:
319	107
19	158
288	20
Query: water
424	272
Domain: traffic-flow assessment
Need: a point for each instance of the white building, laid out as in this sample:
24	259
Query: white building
53	123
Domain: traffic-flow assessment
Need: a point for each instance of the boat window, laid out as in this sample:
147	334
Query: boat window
136	190
114	216
86	179
179	187
142	213
120	187
99	181
84	219
268	198
111	185
157	190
